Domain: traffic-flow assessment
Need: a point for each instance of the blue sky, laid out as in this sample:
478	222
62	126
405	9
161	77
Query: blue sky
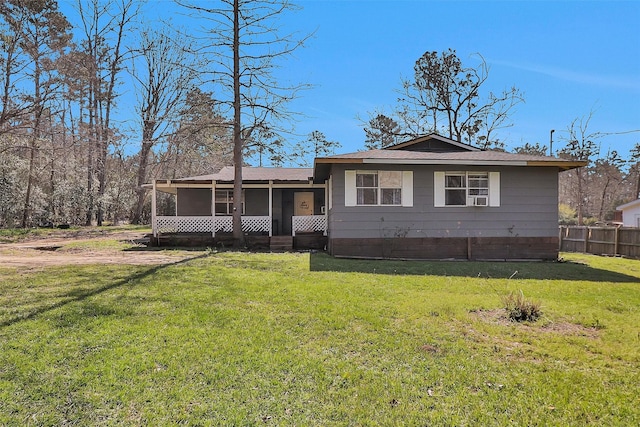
568	57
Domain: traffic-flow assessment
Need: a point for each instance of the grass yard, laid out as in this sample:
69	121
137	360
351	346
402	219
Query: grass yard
298	339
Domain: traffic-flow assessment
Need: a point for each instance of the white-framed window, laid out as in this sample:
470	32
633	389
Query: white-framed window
378	188
224	202
464	188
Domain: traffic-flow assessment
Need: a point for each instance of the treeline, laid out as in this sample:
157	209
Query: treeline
64	158
590	195
91	111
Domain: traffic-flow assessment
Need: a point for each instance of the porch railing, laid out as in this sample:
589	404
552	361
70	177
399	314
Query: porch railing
183	224
210	224
309	224
250	224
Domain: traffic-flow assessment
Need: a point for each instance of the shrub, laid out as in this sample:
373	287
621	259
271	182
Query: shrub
521	309
567	215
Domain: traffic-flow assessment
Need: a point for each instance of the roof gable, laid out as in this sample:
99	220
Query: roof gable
433	143
629	205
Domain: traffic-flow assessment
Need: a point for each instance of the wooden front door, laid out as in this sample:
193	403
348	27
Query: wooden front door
303	203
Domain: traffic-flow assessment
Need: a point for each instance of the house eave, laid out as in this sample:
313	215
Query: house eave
444	162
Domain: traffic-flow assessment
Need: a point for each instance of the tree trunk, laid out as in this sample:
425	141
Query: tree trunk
580	197
142	176
26	212
238	235
637	193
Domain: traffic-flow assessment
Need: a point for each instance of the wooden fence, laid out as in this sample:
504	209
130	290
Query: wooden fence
601	240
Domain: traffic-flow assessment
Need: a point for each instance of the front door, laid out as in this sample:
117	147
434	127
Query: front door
303	203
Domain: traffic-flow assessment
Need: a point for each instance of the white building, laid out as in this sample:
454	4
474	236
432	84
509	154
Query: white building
630	213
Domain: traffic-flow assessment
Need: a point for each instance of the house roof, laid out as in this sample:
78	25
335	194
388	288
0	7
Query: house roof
462	158
226	174
430	149
629	205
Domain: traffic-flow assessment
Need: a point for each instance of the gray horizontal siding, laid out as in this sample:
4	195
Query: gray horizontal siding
528	208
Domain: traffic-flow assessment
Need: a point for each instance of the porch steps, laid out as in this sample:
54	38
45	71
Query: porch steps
281	243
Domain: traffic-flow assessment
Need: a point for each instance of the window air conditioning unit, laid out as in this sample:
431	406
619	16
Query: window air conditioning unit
481	201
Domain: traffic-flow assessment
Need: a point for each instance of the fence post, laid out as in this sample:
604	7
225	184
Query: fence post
587	232
616	242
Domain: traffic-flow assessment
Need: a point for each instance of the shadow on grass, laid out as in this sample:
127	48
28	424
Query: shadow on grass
494	270
82	294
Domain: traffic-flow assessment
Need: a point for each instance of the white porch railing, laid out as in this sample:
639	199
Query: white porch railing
250	224
309	223
183	224
209	224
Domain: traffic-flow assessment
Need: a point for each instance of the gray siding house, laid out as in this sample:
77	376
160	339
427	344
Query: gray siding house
429	198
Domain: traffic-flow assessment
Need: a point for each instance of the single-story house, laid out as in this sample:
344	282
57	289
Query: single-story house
428	198
630	213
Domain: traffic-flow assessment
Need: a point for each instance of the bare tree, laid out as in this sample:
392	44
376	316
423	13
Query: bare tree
445	97
104	25
316	145
202	141
244	41
43	35
606	183
381	131
581	145
536	149
164	79
12	99
635	169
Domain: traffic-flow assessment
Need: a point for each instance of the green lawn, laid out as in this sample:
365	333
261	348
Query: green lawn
298	339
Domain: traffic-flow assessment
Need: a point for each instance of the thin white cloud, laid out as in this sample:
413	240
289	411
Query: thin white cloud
573	76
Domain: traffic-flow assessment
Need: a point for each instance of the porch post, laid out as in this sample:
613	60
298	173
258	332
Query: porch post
213	208
154	225
326	206
270	208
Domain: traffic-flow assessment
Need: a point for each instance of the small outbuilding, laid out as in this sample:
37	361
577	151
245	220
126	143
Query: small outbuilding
630	214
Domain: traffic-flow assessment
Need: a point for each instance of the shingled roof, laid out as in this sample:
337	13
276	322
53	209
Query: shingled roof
406	153
226	174
413	153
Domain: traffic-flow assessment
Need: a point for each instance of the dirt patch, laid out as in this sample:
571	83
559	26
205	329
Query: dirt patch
499	317
50	251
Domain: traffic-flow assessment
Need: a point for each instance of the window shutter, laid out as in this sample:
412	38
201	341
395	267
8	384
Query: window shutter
350	193
494	189
438	189
407	189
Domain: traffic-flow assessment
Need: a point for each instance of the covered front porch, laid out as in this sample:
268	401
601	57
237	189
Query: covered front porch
284	211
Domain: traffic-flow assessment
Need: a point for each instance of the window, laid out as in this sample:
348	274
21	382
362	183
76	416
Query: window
367	188
455	190
378	188
224	202
466	189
